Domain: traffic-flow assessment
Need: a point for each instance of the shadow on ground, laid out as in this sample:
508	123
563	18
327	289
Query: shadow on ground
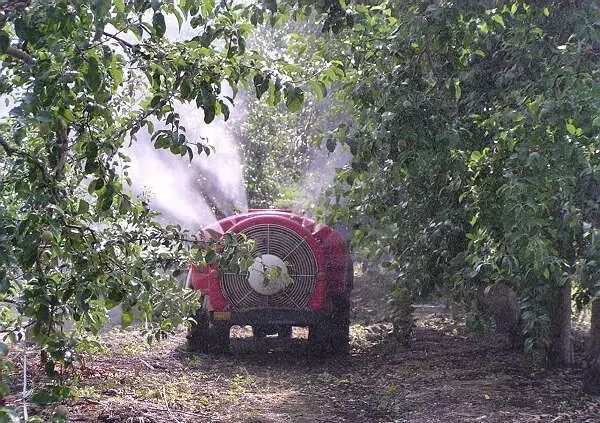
445	376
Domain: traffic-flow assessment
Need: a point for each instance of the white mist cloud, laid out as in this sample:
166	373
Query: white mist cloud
320	175
182	190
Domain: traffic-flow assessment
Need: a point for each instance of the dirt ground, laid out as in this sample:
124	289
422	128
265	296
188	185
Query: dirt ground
444	376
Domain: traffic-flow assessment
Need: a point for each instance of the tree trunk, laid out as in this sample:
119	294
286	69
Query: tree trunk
591	377
560	351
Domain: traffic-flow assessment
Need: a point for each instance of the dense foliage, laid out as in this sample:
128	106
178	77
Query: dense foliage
80	80
475	139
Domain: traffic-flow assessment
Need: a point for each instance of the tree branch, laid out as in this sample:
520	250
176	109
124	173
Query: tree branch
21	55
118	39
63	142
10	151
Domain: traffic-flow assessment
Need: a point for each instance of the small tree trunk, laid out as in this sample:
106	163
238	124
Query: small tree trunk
560	351
591	377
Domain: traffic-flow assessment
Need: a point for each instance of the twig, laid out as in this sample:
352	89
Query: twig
63	142
21	55
148	365
118	39
25	414
164	395
10	151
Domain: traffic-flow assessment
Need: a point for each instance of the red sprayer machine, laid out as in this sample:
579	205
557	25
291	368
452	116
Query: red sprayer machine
311	287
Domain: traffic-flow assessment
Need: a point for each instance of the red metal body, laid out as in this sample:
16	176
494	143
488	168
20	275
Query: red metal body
328	246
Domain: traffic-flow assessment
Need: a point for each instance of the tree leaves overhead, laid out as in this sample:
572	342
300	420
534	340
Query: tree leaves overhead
261	84
93	76
158	23
294	97
82	79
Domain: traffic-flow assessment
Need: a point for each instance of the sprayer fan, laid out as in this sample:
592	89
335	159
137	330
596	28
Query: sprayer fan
301	265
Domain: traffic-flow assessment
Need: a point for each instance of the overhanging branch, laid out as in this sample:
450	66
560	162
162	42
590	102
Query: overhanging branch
21	55
12	151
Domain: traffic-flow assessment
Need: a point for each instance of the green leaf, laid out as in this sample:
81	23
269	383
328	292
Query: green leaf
163	141
207	7
179	17
119	6
261	84
319	89
126	318
209	112
106	202
457	90
83	206
330	144
50	370
210	256
93	76
294	98
224	110
270	5
158	24
4	40
274	94
101	8
98	184
499	20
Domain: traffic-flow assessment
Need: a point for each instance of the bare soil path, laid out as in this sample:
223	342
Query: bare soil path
445	376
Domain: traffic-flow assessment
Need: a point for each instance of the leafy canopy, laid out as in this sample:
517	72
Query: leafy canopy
81	79
475	137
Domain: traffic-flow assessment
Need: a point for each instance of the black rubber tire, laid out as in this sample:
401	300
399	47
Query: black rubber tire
331	335
198	333
207	337
340	326
219	338
260	331
318	342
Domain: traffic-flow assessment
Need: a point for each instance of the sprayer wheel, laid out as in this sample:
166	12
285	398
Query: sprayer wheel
339	338
331	335
198	333
219	338
259	331
207	337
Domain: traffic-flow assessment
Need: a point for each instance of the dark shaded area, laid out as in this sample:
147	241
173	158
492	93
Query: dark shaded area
445	376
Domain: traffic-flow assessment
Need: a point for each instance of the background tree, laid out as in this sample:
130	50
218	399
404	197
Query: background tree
474	129
279	147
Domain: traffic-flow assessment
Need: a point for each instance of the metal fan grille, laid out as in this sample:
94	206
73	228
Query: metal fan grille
301	263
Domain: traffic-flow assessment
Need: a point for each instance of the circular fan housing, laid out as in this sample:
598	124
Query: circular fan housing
276	244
